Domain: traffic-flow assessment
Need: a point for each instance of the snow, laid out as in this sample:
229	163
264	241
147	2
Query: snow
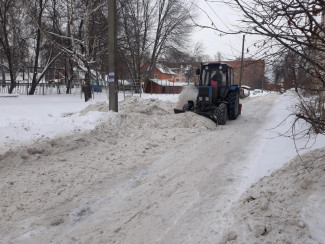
72	171
165	70
32	117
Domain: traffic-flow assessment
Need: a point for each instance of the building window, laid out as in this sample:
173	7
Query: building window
155	76
177	80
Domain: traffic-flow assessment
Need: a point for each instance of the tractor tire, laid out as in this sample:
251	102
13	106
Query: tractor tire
233	105
222	114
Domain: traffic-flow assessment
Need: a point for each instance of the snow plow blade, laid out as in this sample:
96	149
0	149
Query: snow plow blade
178	111
205	114
209	116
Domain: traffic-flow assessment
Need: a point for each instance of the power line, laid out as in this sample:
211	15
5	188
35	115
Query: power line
206	1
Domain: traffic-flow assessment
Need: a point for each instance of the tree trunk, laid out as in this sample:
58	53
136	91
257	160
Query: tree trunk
37	50
87	88
12	80
70	76
32	89
3	77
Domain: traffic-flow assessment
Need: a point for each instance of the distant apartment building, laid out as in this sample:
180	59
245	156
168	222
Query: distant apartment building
253	72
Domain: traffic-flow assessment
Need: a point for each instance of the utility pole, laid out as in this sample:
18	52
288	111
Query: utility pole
112	78
321	89
241	62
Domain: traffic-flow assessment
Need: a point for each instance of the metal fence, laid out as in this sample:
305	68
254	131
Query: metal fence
130	88
126	87
49	89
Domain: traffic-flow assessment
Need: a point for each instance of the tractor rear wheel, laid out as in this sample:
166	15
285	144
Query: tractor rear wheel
233	105
222	114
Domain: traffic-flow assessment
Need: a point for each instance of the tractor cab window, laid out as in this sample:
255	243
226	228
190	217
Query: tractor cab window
213	72
230	78
205	77
224	80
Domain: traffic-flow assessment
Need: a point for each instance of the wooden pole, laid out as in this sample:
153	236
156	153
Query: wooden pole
241	62
112	78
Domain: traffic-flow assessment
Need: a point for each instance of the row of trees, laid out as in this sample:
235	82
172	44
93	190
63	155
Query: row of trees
297	29
72	35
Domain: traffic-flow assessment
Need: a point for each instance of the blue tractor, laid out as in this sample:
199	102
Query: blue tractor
218	97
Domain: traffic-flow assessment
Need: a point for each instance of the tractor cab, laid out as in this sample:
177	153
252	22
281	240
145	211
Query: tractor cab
215	80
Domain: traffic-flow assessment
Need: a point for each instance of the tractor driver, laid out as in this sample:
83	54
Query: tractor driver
216	78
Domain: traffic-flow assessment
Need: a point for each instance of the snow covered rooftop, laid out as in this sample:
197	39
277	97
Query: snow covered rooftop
165	70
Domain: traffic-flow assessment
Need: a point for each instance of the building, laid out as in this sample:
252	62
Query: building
183	73
253	72
159	72
163	87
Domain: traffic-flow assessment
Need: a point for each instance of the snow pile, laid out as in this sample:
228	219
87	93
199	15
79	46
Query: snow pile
99	107
313	214
275	210
154	113
51	173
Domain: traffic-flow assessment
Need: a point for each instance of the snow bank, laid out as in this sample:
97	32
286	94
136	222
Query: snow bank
313	215
40	178
28	118
275	210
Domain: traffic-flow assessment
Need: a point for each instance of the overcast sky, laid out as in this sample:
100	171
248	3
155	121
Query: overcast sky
224	18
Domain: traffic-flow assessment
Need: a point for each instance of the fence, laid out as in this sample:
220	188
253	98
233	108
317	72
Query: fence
41	89
126	87
49	89
129	87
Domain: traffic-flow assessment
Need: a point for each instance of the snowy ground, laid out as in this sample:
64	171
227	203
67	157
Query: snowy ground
146	175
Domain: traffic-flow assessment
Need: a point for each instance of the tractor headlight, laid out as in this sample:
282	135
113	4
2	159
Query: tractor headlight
207	99
200	98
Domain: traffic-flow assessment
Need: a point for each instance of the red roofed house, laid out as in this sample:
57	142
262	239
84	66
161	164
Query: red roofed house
160	72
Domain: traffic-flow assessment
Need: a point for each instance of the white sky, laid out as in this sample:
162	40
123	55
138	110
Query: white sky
224	18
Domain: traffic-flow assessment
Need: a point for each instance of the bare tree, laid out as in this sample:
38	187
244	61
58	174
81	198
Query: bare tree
297	27
12	40
38	8
150	29
135	30
172	25
290	71
79	32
